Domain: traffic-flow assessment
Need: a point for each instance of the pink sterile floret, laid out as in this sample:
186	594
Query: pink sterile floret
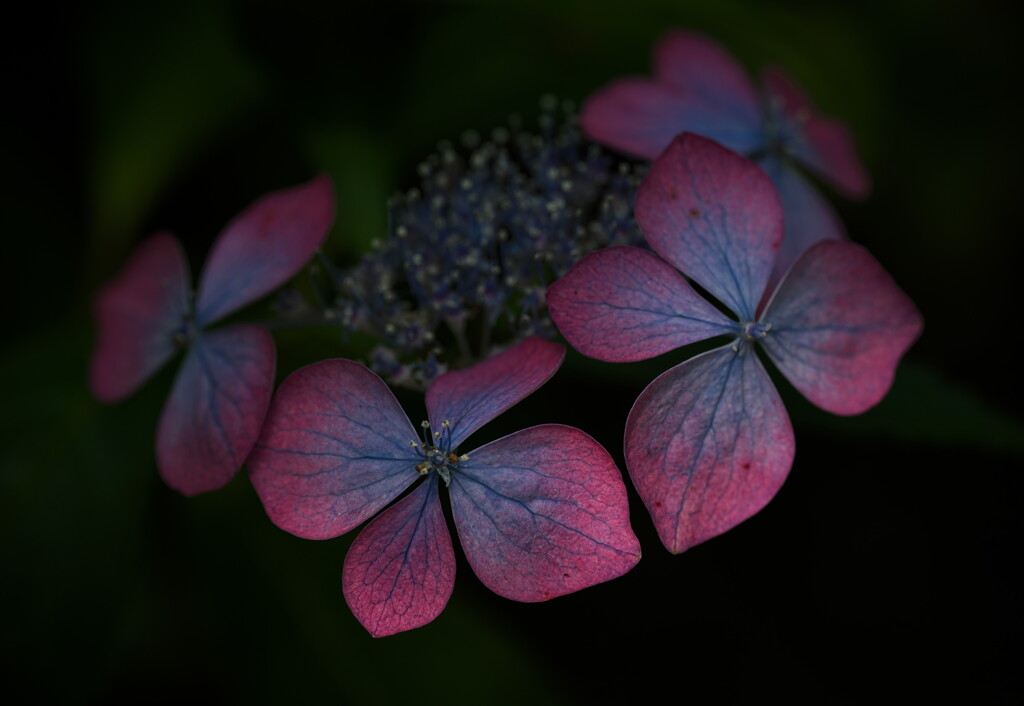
708	443
699	87
539	513
221	393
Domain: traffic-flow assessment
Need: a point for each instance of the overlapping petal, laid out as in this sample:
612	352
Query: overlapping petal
840	324
639	116
626	304
809	218
334	450
708	444
263	247
822	144
715	216
693	62
138	315
216	408
472	397
400	571
723	103
543	512
697	87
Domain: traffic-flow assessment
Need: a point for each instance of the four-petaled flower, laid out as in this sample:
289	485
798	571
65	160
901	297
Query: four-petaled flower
540	513
708	443
698	87
216	408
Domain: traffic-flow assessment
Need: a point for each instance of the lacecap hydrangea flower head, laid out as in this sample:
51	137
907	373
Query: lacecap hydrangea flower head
539	513
708	443
698	87
148	313
472	248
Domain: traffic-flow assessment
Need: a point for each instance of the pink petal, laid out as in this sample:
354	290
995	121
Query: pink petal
839	326
400	571
693	62
334	450
543	512
472	397
698	87
216	408
640	117
708	444
263	247
717	87
822	144
715	216
625	304
138	315
809	218
637	116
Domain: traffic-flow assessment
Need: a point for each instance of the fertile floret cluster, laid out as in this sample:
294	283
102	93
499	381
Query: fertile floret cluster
473	248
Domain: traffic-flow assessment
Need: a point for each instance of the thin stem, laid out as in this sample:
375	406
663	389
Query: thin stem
458	329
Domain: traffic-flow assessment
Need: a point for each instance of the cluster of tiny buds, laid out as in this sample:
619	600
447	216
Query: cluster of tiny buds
473	248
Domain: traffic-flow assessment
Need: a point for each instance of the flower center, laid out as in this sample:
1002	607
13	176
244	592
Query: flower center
185	333
754	330
751	331
436	452
783	132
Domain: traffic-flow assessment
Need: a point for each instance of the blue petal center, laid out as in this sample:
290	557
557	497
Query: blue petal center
756	330
436	452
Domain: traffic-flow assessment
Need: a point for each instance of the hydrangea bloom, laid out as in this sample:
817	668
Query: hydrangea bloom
221	394
540	513
698	87
708	443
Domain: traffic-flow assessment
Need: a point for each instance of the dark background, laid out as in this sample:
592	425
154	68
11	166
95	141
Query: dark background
882	571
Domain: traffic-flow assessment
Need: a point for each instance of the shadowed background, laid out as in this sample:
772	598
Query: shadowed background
882	567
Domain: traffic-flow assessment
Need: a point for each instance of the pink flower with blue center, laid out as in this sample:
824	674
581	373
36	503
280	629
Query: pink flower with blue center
698	87
708	443
147	313
540	513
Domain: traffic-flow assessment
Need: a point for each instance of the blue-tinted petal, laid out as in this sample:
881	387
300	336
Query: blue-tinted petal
708	444
216	408
470	398
400	571
808	216
640	117
334	450
543	512
823	145
263	247
839	326
714	215
626	304
138	315
722	102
